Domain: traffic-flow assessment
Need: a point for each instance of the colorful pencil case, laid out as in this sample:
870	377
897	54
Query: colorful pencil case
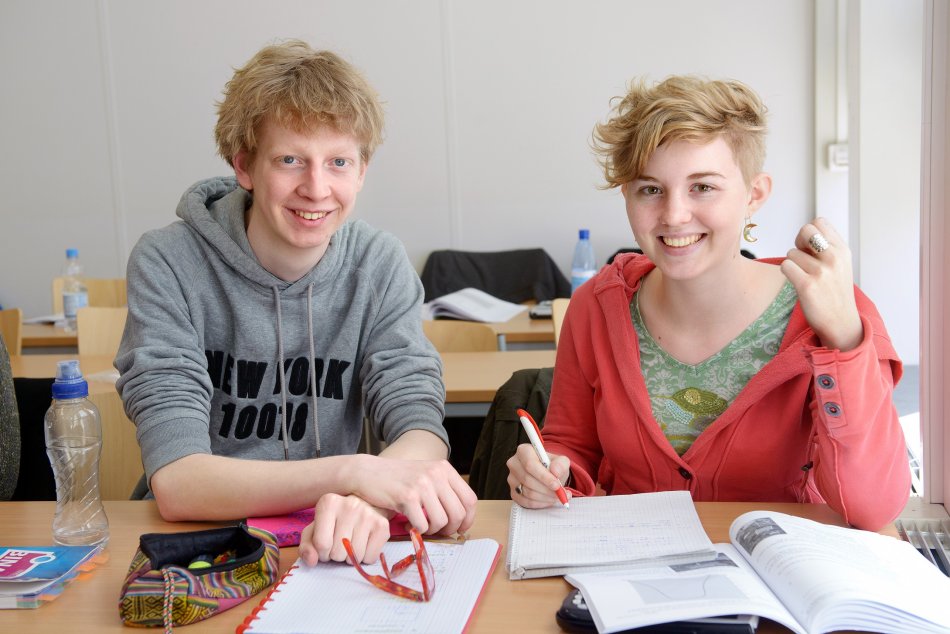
181	578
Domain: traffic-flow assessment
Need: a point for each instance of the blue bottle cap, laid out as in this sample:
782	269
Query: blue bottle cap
69	381
584	234
72	253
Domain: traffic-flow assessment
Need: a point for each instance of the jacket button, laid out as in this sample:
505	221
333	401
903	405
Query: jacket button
685	473
832	409
826	381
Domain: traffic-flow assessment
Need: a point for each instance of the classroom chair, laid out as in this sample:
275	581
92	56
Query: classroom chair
514	276
501	432
11	326
558	310
102	292
34	477
449	335
99	329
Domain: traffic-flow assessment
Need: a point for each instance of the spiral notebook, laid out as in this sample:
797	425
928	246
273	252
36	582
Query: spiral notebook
333	598
606	532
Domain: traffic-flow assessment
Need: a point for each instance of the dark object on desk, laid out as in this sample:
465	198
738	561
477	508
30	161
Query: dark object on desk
541	310
35	481
574	616
514	276
501	432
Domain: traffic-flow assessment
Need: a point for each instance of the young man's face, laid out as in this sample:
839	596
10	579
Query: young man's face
304	185
688	207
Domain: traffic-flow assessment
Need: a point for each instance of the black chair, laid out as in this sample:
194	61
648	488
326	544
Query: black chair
35	481
501	433
744	252
514	276
623	250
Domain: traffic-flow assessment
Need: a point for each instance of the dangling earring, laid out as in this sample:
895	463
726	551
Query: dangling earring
747	230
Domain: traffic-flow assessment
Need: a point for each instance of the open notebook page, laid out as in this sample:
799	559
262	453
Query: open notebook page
335	599
604	531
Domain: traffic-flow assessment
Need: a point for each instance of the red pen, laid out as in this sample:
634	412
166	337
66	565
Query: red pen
534	435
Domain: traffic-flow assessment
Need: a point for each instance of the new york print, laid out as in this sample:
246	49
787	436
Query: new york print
251	408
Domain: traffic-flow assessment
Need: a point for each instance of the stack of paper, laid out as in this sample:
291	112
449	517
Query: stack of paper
473	305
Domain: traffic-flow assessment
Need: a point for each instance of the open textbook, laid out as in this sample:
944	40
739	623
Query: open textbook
810	577
473	305
605	532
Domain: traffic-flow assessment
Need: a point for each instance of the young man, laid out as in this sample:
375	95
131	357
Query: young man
263	326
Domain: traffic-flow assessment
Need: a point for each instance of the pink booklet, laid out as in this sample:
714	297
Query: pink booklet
288	527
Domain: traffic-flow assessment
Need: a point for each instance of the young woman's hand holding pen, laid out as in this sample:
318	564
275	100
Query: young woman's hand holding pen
533	486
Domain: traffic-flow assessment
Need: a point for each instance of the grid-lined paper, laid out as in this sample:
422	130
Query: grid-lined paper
605	531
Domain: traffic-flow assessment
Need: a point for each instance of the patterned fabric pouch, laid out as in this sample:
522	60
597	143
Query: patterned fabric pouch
181	578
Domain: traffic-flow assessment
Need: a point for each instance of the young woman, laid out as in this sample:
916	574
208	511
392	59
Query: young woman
692	367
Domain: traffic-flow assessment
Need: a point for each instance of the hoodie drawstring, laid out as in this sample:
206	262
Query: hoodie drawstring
283	377
313	370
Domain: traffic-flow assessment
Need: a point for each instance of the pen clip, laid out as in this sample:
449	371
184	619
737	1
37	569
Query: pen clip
523	414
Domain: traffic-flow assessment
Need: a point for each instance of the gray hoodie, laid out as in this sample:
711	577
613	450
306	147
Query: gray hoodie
216	348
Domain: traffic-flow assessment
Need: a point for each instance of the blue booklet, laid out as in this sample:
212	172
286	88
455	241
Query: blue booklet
31	575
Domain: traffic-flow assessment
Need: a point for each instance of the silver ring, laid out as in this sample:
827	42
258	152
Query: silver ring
818	243
519	489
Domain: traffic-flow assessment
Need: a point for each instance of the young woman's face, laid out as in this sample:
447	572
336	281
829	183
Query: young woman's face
688	208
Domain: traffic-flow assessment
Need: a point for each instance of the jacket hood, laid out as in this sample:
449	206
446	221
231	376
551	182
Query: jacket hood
215	208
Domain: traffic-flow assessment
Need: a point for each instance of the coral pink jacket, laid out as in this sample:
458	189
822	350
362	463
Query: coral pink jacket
814	425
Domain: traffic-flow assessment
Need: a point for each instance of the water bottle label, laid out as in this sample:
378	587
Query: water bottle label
73	302
579	276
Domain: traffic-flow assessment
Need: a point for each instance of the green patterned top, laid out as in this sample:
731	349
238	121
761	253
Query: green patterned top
686	399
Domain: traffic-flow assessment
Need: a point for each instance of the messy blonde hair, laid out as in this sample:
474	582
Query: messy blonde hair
680	108
301	89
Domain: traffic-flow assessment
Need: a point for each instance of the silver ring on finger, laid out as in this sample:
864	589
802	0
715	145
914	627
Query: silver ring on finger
818	243
519	489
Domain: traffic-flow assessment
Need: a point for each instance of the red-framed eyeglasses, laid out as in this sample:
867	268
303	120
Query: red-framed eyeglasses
419	557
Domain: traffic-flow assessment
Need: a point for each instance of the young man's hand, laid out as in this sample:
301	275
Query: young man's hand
338	516
430	493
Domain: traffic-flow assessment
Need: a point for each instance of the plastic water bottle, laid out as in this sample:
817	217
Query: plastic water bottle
583	267
73	444
75	295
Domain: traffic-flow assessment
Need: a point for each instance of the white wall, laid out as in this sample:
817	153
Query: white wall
108	113
885	153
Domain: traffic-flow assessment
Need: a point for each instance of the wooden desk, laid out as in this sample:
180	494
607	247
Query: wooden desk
47	336
472	378
121	465
90	604
522	329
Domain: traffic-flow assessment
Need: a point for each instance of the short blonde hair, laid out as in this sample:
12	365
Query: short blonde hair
299	88
680	108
